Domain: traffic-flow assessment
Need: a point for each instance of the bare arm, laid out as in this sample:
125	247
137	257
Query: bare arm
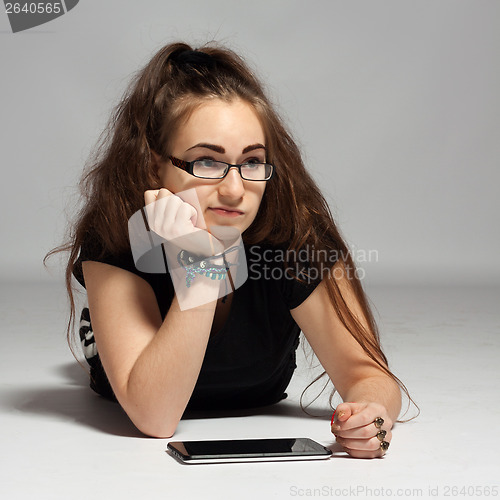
354	374
152	365
368	392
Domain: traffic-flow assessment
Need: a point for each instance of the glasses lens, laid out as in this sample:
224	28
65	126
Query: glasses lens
256	171
209	169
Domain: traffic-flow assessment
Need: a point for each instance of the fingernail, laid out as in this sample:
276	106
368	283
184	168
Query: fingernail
333	416
341	414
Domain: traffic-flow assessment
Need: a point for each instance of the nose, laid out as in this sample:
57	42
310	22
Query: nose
232	185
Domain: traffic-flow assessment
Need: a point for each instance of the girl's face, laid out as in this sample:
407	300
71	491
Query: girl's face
222	131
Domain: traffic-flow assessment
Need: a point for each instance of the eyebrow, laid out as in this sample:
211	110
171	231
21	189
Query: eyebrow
220	149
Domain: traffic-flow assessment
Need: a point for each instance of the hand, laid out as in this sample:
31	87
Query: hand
356	432
178	221
168	215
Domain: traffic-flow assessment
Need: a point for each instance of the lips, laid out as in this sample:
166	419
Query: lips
226	211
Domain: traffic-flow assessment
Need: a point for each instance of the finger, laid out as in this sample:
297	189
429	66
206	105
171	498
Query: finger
163	193
367	418
366	432
365	454
364	415
191	196
163	198
150	196
343	413
186	213
369	445
161	214
166	209
366	448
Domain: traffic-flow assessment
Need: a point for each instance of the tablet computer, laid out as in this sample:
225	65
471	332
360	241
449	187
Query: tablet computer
247	450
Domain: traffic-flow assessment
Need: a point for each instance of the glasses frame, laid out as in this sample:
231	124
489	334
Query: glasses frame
188	166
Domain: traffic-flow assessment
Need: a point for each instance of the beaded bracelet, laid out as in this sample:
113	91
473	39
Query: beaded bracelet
194	264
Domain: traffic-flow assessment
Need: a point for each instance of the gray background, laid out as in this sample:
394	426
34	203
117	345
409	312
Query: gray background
394	103
396	107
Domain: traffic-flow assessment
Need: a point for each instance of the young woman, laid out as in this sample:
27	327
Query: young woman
196	147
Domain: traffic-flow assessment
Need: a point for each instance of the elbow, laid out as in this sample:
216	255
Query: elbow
155	424
151	420
157	433
158	430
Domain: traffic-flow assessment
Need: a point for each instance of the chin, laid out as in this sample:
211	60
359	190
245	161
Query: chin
225	224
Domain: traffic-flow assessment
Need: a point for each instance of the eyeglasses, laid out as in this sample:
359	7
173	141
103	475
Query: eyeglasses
210	169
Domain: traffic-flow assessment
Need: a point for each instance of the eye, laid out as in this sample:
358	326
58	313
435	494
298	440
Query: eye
254	161
206	161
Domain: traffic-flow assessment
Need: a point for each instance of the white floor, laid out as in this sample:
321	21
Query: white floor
59	440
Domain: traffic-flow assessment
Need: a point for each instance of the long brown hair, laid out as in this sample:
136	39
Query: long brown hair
293	211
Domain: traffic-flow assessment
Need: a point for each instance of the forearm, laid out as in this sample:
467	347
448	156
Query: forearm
377	389
165	373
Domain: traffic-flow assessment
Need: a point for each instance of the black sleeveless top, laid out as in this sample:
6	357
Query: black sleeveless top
249	362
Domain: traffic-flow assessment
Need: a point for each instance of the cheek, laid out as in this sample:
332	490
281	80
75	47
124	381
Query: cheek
203	193
259	195
176	181
169	179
